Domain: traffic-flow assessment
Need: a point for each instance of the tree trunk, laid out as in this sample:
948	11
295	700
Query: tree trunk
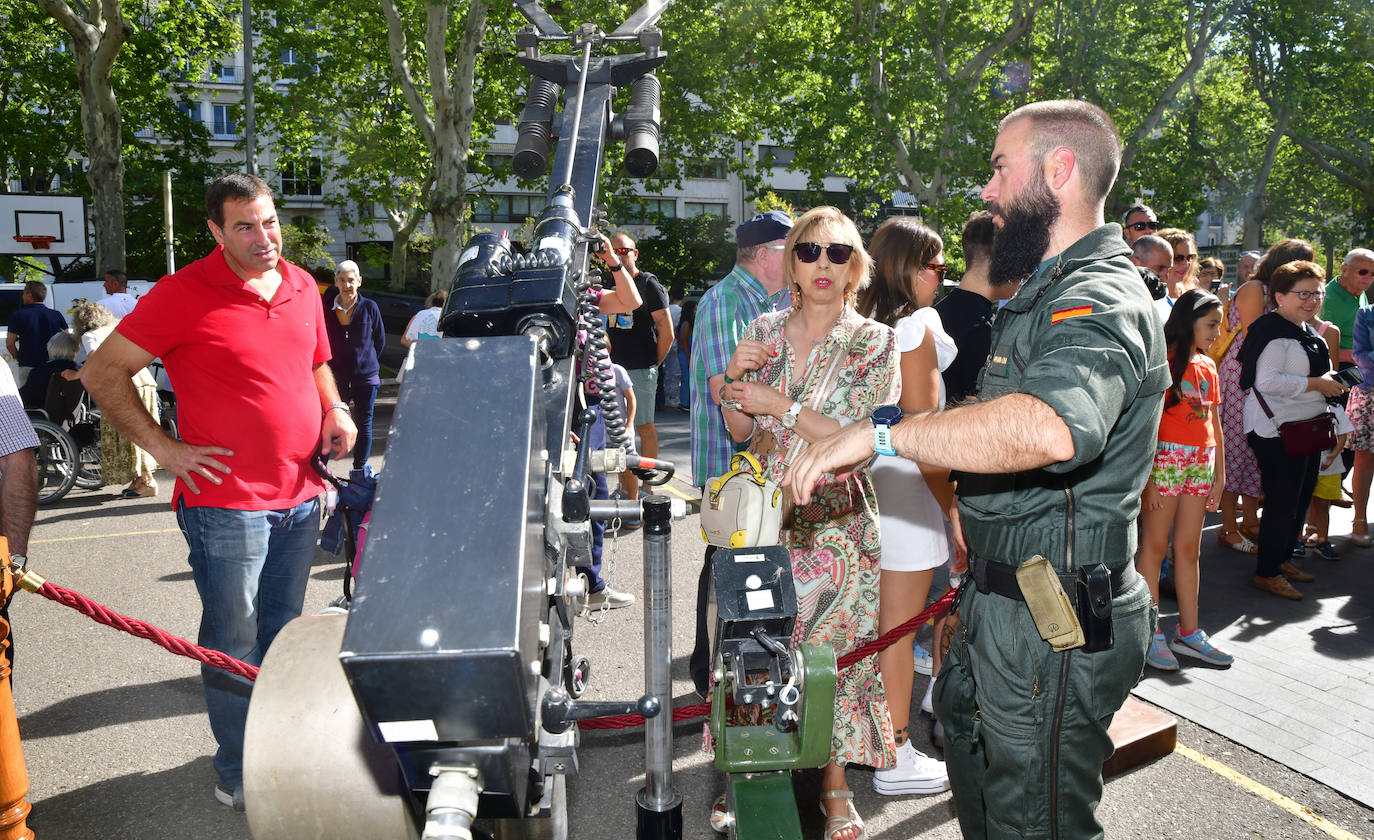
96	42
1253	210
402	227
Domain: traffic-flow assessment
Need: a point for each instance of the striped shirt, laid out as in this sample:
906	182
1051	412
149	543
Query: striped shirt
723	313
16	431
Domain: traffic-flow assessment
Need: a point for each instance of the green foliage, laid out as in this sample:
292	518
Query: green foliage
305	242
40	128
689	254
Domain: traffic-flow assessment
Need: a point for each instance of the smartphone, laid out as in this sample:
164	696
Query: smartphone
1349	377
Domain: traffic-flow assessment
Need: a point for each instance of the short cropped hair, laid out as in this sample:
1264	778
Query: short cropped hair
348	265
62	345
236	186
1357	254
37	290
1138	208
977	238
120	277
1083	128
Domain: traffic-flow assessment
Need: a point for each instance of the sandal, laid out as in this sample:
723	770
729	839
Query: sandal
1244	544
1363	540
836	825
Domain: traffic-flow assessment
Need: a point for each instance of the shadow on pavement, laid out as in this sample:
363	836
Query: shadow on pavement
115	706
172	804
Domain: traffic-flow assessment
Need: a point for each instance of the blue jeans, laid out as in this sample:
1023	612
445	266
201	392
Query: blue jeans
250	569
597	440
363	398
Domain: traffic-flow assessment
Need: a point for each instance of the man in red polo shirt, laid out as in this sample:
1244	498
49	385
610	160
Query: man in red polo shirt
242	335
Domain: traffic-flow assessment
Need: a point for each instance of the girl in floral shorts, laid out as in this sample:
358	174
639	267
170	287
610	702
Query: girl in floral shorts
1188	476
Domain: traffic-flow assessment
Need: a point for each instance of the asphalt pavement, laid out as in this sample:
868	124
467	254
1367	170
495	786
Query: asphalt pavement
118	746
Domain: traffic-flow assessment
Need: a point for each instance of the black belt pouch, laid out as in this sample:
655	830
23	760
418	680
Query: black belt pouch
1094	602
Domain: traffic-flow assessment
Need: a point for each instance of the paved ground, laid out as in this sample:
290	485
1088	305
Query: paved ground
118	746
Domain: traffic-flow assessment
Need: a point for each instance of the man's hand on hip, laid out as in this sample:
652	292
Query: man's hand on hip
339	434
188	462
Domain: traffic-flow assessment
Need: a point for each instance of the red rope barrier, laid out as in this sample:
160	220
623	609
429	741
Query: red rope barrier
144	630
858	653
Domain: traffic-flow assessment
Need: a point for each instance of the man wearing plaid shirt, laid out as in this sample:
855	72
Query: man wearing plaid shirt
18	479
753	287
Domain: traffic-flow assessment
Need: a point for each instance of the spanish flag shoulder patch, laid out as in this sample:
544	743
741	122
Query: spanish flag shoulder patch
1072	312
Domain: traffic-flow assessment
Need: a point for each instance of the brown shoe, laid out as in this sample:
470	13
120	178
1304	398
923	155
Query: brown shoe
1294	573
1277	585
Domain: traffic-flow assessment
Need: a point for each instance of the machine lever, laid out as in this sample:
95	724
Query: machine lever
559	710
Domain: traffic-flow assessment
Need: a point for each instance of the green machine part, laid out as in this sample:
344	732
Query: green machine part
755	749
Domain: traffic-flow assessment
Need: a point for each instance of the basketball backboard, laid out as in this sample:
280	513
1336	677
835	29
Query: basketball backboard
62	217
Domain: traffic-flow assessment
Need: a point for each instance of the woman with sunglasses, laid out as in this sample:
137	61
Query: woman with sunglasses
913	503
1287	368
1183	276
796	377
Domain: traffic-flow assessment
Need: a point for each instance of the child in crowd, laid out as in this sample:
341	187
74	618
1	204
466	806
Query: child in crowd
1188	476
1328	490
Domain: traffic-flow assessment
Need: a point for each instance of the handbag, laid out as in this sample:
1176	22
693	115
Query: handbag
744	509
1304	437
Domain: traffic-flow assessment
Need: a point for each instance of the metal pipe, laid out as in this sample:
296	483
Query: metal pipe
167	220
659	803
577	114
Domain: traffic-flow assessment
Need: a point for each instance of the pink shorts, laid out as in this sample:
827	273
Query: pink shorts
1183	470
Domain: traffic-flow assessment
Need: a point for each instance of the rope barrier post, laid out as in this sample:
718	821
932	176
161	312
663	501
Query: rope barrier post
658	804
14	774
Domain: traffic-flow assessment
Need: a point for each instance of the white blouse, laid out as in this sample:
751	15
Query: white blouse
1281	374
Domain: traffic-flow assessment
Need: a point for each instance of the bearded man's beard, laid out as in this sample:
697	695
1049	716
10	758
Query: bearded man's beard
1019	245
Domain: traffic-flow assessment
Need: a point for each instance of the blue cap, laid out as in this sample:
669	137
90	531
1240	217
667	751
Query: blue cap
765	227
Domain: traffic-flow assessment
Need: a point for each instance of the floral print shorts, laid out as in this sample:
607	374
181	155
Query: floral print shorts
1183	470
1360	409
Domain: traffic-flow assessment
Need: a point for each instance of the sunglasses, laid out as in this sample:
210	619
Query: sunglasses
940	270
1362	272
1139	227
623	251
1185	257
809	252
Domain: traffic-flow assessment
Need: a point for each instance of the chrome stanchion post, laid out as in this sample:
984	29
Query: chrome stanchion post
659	806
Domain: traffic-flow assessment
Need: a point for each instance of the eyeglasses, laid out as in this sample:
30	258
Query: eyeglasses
1318	294
809	252
1185	257
940	270
623	251
1141	227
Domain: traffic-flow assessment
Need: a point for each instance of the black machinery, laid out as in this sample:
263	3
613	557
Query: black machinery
457	697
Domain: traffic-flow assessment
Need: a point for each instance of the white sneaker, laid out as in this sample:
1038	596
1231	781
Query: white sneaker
612	598
915	772
924	661
928	707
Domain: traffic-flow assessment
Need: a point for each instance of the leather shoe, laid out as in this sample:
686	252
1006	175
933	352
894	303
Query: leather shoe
1294	573
1277	585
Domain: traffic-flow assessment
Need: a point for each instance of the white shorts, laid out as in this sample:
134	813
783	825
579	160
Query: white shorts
915	533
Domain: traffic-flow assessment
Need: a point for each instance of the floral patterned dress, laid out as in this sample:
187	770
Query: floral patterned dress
1242	470
834	540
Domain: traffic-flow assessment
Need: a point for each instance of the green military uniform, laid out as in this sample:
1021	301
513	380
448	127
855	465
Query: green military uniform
1025	727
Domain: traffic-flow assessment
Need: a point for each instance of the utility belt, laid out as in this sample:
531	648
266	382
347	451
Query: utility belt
1066	622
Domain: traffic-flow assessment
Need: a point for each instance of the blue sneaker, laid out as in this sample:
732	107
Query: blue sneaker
1196	645
1159	657
1299	550
1326	550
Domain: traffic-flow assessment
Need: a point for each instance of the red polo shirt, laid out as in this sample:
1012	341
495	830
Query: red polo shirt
242	368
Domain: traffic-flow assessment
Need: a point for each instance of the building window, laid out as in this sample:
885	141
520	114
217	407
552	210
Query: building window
304	177
707	170
647	211
506	208
777	157
226	73
191	110
225	128
703	208
288	56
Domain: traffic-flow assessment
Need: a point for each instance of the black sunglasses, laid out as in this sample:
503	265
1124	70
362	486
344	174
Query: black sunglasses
1143	226
809	252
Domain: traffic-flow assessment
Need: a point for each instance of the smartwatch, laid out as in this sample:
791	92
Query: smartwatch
790	417
884	418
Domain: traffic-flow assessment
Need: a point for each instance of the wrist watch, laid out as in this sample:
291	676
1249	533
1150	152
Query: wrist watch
789	417
884	418
335	405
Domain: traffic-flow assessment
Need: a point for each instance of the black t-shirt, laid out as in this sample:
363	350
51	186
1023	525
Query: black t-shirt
634	338
967	317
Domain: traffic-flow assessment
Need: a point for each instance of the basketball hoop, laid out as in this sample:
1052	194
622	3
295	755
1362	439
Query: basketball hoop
38	243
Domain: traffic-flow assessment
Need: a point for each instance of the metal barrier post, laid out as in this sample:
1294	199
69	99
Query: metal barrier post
659	806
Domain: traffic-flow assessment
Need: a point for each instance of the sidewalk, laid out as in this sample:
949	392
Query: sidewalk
1301	691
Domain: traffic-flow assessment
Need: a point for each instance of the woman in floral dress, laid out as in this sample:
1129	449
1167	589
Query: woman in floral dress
796	377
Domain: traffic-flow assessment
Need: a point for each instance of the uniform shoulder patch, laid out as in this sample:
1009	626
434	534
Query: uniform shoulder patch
1072	312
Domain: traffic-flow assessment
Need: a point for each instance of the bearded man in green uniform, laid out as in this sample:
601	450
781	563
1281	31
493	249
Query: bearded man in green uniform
1051	462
